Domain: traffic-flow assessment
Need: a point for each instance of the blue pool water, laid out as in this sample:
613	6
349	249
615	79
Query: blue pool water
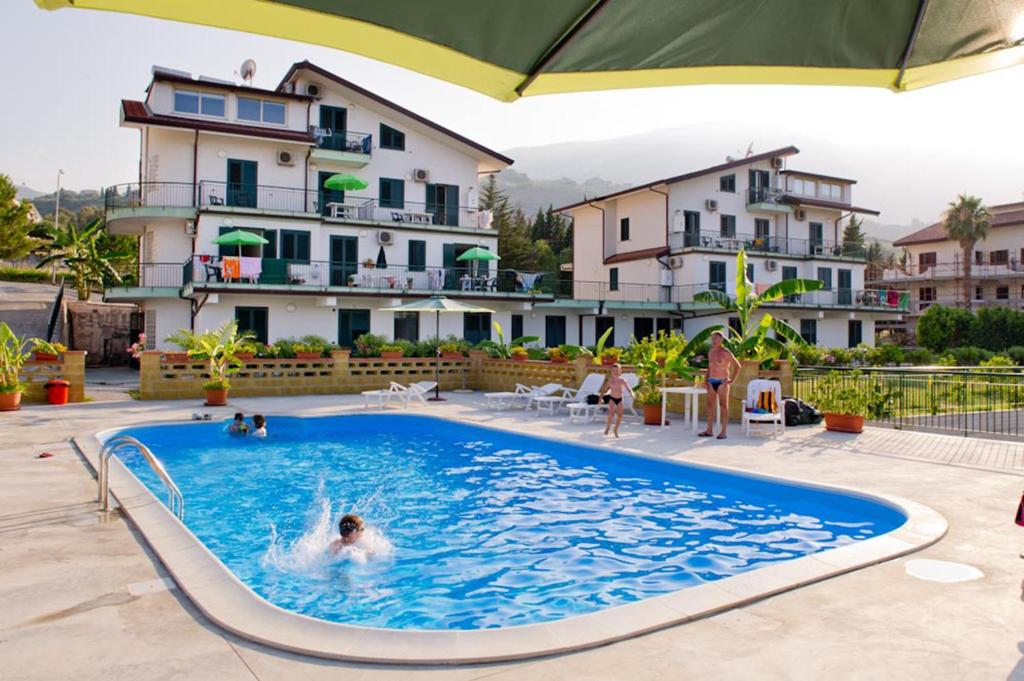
475	528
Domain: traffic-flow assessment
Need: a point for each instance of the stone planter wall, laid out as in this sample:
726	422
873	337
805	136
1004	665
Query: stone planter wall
70	367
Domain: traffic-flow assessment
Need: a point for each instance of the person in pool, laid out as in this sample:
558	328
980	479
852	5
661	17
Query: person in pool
239	426
350	530
723	367
259	425
612	396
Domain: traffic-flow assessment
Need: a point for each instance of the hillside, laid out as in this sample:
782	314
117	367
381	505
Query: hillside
530	194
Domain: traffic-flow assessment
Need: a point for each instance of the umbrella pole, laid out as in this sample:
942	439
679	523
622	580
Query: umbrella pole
437	359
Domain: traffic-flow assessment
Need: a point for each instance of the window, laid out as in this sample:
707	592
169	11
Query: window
831	192
294	245
643	327
260	110
727	183
979	257
351	325
392	193
328	196
391	138
716	275
825	277
1002	292
727	225
750	271
691	225
517	326
926	294
554	330
417	255
624	229
242	188
979	293
613	279
407	326
789	272
253	319
999	257
476	326
817	233
665	324
204	103
809	330
762	226
854	333
926	261
802	187
601	325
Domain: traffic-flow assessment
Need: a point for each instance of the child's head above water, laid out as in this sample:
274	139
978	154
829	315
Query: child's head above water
351	528
239	417
259	421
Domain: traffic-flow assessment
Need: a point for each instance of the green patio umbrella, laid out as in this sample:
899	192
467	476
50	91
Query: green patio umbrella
345	182
240	238
477	254
533	47
437	305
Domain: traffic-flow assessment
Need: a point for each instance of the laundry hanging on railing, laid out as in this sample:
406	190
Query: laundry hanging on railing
230	267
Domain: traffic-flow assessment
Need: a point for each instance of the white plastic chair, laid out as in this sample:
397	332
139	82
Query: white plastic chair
383	397
776	419
414	391
591	385
546	390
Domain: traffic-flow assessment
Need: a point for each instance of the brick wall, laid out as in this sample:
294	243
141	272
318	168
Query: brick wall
70	367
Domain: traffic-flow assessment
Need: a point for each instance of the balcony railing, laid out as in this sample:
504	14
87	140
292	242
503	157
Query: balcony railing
344	140
765	245
952	270
156	194
764	195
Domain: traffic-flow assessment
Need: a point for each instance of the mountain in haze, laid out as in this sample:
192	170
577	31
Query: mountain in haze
26	192
531	195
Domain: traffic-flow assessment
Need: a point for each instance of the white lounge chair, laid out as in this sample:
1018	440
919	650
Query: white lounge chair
578	407
506	398
546	390
414	391
776	419
383	397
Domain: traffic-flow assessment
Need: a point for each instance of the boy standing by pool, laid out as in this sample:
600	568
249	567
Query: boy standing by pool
613	395
721	374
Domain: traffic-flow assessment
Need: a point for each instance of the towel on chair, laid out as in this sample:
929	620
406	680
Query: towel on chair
250	268
230	267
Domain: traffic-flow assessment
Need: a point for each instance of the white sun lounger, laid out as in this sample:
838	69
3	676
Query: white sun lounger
503	399
383	397
414	391
591	385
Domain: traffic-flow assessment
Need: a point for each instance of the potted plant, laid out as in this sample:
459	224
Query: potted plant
265	351
391	351
248	350
306	351
14	352
184	340
219	348
450	350
655	361
649	397
44	356
519	353
610	356
557	356
847	398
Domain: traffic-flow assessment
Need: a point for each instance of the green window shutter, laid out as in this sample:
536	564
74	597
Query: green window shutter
417	255
613	279
270	248
392	193
624	229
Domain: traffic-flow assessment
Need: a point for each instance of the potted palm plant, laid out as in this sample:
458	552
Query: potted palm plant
847	399
503	350
14	352
655	361
219	348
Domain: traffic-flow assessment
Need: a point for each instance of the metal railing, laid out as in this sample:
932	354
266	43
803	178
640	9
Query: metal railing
952	400
160	274
158	194
765	245
765	195
344	140
953	270
175	501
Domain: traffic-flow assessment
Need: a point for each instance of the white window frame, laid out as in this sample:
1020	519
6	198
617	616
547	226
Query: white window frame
200	94
262	103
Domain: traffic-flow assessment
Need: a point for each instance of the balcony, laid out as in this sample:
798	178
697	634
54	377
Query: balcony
952	270
764	245
767	200
342	147
129	206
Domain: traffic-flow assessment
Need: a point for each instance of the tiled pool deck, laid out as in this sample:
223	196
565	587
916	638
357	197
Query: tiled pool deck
83	598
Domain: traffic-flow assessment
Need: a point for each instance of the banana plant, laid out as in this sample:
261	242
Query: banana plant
501	349
751	339
577	350
78	250
14	352
219	347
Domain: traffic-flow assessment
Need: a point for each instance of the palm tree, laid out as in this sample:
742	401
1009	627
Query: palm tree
751	340
77	249
966	221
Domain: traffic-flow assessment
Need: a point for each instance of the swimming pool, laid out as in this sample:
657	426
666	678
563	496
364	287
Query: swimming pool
487	528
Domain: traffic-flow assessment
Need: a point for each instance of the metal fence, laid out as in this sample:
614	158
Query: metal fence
985	402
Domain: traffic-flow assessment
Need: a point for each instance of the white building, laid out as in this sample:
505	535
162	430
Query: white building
641	254
216	156
934	270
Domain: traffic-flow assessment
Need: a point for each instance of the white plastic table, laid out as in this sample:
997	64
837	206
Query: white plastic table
691	400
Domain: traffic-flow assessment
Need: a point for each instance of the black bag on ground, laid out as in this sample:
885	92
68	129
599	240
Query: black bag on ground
593	399
799	413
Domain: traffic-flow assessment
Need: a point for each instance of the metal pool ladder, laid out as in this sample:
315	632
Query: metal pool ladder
175	501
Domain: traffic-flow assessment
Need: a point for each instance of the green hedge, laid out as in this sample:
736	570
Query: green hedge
21	274
996	329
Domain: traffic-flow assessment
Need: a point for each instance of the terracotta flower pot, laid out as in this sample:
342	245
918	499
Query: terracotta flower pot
844	423
10	401
559	360
176	356
652	414
216	398
45	357
451	355
608	361
308	355
520	358
391	354
245	355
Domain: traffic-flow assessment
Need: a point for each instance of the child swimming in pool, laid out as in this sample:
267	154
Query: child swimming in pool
259	424
612	396
350	530
239	426
356	543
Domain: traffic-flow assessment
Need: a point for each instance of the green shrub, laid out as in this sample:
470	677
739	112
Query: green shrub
947	360
30	275
969	356
809	355
1016	353
407	347
997	328
886	353
919	356
997	361
369	345
536	353
943	327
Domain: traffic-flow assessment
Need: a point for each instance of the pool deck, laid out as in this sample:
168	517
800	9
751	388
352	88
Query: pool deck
84	598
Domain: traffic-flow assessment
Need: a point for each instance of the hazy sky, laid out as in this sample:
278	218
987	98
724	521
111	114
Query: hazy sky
66	71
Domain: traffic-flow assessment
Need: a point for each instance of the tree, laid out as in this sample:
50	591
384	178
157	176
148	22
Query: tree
515	245
941	328
78	250
750	340
15	223
966	221
853	237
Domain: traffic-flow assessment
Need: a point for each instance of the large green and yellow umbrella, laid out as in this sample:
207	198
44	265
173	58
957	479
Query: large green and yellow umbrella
513	48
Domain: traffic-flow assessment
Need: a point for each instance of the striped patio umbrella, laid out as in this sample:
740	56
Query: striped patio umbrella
512	48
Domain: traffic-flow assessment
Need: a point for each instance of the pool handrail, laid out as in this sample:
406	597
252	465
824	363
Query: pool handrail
103	477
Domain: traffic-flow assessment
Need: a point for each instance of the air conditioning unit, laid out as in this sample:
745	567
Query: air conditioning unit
800	214
675	262
771	265
711	204
385	238
285	158
777	163
421	175
190	228
313	90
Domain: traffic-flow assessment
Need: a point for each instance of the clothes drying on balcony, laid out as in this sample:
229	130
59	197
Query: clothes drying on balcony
230	267
528	279
250	268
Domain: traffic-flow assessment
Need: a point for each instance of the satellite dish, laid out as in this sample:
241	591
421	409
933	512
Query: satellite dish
248	70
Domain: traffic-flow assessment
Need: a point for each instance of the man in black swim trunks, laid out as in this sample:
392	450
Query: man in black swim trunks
721	374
